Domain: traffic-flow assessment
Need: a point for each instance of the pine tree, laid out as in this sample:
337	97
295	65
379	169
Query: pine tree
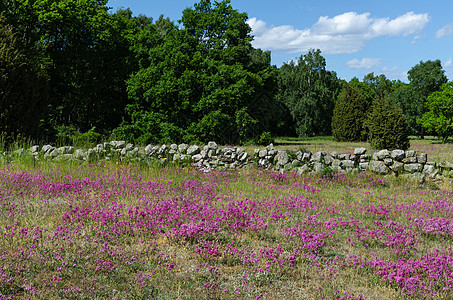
348	115
386	125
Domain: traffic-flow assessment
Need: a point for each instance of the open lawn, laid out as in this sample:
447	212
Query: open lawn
109	231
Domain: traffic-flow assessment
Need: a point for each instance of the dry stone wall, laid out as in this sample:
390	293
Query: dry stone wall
408	163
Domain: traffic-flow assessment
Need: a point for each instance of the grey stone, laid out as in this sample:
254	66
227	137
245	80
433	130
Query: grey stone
347	164
388	161
397	154
412	168
34	149
256	153
262	153
182	148
336	163
379	167
410	153
270	147
282	158
120	144
364	165
295	163
174	147
328	160
422	158
299	155
430	170
447	165
318	167
213	145
359	151
431	163
193	150
197	157
70	150
148	149
318	156
129	147
410	160
397	167
365	157
47	148
91	155
272	153
204	154
243	156
415	177
383	154
239	150
79	154
335	154
306	156
345	156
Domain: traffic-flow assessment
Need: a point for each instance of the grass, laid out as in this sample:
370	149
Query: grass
115	231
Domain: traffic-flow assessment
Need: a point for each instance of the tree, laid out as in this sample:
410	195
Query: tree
348	115
201	82
386	126
439	115
309	91
23	88
410	101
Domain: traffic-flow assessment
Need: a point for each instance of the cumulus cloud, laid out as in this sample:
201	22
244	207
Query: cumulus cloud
364	63
445	31
448	63
345	33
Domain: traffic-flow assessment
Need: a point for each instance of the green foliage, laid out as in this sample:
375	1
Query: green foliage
202	82
309	92
23	88
439	116
386	126
410	101
265	139
348	115
427	77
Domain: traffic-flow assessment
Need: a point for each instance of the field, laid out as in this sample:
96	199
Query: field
111	231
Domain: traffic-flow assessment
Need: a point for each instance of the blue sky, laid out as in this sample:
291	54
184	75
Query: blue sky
355	37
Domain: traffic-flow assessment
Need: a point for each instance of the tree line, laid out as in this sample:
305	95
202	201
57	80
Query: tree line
71	69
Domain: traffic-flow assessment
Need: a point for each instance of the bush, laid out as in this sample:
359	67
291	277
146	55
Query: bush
349	115
265	139
386	126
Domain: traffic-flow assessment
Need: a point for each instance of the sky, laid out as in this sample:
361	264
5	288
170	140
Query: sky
355	37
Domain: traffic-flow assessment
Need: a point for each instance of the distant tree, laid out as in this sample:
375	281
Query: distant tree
410	100
427	77
309	91
439	115
386	126
349	115
23	88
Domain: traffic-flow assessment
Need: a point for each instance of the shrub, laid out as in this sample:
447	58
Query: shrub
265	139
386	126
348	115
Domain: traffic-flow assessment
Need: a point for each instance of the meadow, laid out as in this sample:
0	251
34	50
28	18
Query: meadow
115	231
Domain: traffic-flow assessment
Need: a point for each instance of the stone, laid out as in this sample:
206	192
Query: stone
431	163
47	148
412	168
318	156
120	144
379	167
422	158
306	156
282	158
272	153
239	150
382	154
212	145
193	150
430	170
256	153
345	156
359	151
335	154
397	167
148	149
415	177
197	157
299	155
410	160
34	149
410	153
270	147
182	148
347	164
397	154
336	163
79	154
318	167
328	160
388	161
262	153
364	165
365	157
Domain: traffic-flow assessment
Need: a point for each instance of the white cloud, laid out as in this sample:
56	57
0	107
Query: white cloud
448	63
345	33
445	31
364	63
